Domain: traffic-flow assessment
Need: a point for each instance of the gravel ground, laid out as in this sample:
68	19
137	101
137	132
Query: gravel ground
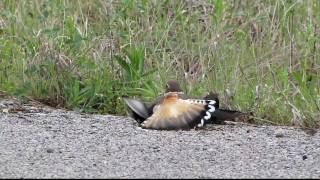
42	143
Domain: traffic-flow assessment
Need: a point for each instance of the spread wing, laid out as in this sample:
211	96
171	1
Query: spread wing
139	109
179	114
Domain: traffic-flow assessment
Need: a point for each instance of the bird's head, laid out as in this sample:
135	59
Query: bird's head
173	86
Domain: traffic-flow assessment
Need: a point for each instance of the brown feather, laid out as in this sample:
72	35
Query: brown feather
174	113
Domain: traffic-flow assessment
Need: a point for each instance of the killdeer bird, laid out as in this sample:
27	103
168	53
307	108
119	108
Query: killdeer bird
175	110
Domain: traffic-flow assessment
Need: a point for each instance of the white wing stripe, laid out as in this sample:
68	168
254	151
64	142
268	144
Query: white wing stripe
211	108
212	102
201	123
208	116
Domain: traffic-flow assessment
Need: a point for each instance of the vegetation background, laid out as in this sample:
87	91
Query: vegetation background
261	56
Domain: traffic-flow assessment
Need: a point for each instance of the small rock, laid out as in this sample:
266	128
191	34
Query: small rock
304	157
279	133
50	150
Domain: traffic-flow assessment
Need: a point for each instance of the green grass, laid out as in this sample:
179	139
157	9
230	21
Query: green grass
86	55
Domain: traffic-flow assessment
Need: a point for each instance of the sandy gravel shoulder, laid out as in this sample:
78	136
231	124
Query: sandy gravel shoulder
39	142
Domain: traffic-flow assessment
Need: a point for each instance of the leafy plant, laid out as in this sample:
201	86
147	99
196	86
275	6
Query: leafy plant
134	73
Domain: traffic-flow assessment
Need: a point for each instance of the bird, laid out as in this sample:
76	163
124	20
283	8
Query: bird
175	110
